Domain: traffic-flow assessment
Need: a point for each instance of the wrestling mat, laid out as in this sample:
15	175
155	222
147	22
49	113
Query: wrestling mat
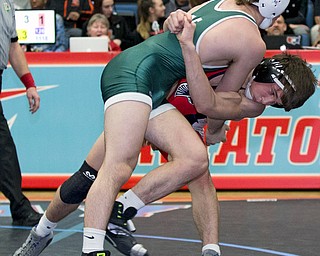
248	227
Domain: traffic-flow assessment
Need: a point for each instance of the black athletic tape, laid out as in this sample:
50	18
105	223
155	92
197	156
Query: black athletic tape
75	189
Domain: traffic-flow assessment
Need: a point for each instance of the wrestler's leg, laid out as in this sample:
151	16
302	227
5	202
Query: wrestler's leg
58	208
124	128
205	209
186	165
66	200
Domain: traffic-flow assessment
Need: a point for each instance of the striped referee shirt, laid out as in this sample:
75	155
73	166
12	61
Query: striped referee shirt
8	31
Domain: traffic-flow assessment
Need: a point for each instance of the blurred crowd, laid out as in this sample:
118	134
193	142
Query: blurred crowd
86	18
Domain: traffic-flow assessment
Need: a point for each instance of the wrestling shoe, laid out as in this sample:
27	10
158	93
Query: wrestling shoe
118	233
97	253
124	242
210	252
34	244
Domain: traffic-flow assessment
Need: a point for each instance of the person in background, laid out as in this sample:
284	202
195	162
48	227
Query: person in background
61	44
10	183
151	14
98	25
295	17
21	4
119	28
71	11
315	30
273	36
87	11
279	28
173	5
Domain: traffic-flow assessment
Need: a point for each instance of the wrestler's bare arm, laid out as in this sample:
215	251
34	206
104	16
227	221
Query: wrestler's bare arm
235	106
242	62
241	59
220	107
240	53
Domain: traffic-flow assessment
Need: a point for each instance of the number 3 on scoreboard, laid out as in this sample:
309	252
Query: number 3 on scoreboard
22	34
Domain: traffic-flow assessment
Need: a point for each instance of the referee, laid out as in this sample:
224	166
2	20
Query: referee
10	183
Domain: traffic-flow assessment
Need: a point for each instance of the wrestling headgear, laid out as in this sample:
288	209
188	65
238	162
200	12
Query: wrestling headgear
269	9
269	71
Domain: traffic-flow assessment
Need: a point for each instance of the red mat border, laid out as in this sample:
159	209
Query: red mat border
221	182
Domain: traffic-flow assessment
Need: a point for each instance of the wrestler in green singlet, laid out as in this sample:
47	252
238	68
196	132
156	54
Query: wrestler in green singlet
153	66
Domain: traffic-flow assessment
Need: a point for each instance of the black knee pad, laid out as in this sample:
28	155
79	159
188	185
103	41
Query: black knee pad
75	189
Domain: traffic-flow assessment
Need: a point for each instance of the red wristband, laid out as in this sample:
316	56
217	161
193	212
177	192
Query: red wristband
27	80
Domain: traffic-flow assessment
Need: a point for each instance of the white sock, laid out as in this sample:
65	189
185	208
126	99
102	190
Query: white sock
45	226
93	240
130	199
214	247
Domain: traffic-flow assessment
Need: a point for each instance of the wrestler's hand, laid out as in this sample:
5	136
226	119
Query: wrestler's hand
218	136
185	37
175	22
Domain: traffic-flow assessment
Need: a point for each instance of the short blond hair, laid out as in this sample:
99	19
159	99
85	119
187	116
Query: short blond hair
98	17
